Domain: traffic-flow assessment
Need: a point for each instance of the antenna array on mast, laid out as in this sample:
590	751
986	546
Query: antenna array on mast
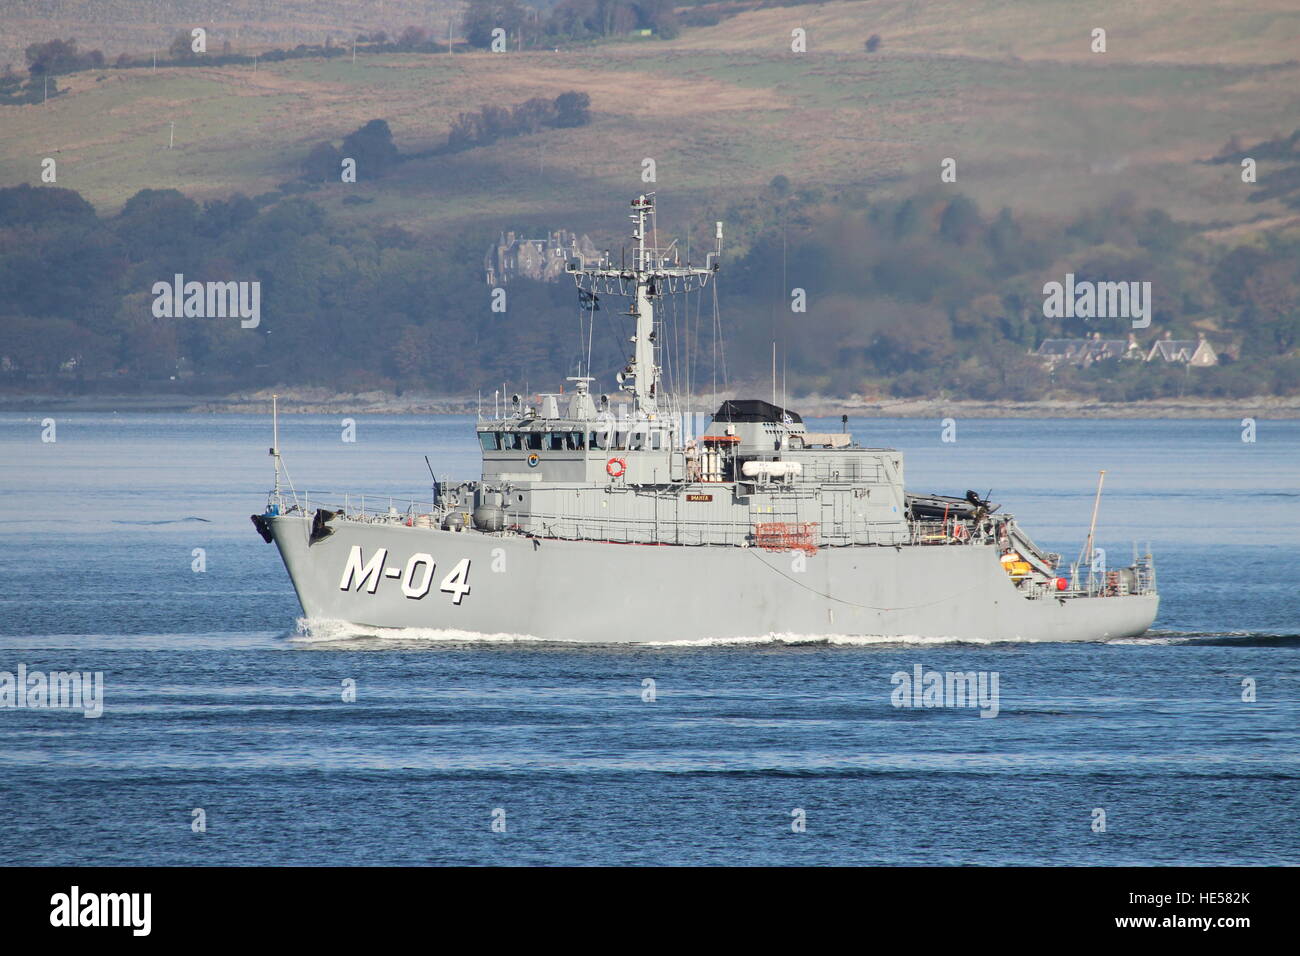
654	272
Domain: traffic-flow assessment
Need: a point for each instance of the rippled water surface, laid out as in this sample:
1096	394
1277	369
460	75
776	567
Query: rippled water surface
213	698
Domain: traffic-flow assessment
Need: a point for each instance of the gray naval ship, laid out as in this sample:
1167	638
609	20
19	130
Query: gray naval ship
605	521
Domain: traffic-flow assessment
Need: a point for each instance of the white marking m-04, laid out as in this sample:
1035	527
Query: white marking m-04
369	572
415	580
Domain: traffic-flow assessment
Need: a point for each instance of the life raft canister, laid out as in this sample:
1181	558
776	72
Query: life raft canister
1015	565
616	467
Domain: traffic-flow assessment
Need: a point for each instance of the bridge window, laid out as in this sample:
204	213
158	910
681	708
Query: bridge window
534	440
567	441
511	441
491	441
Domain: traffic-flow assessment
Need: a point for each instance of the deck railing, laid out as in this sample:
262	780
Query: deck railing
369	508
396	509
400	510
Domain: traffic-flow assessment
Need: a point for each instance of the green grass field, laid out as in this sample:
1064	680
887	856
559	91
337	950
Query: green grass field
1010	90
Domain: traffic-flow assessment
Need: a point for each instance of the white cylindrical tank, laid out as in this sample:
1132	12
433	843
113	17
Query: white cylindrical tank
772	469
712	464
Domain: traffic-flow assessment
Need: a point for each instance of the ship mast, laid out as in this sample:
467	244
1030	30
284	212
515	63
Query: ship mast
654	273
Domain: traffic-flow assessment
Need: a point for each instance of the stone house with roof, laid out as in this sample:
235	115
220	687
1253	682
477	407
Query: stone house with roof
1084	352
513	257
1197	352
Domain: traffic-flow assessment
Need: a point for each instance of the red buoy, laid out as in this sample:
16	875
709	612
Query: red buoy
1061	584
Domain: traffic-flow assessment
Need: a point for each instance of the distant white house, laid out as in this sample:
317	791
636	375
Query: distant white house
1084	352
1195	352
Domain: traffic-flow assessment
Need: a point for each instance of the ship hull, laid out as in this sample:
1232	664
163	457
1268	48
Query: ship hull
602	592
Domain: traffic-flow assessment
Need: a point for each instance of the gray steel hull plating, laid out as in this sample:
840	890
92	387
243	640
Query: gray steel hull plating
587	591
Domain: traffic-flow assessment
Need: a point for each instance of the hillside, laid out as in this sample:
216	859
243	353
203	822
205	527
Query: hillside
1031	116
139	26
824	165
1255	32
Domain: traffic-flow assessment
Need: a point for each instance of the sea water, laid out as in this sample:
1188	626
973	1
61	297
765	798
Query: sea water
232	733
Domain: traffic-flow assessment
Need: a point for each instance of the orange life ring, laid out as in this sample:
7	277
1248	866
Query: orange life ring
616	467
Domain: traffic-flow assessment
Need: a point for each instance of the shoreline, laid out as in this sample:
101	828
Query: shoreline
322	402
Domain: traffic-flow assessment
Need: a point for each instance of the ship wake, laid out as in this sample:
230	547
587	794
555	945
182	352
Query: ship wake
319	631
326	631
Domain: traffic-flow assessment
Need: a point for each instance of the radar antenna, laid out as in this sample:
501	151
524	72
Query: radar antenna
653	273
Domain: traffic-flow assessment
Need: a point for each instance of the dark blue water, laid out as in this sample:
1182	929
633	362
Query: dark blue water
212	702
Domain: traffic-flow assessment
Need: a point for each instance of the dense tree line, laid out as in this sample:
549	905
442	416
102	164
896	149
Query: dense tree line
1283	154
372	149
343	307
45	62
928	295
522	25
15	91
567	20
56	57
920	295
60	56
492	123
